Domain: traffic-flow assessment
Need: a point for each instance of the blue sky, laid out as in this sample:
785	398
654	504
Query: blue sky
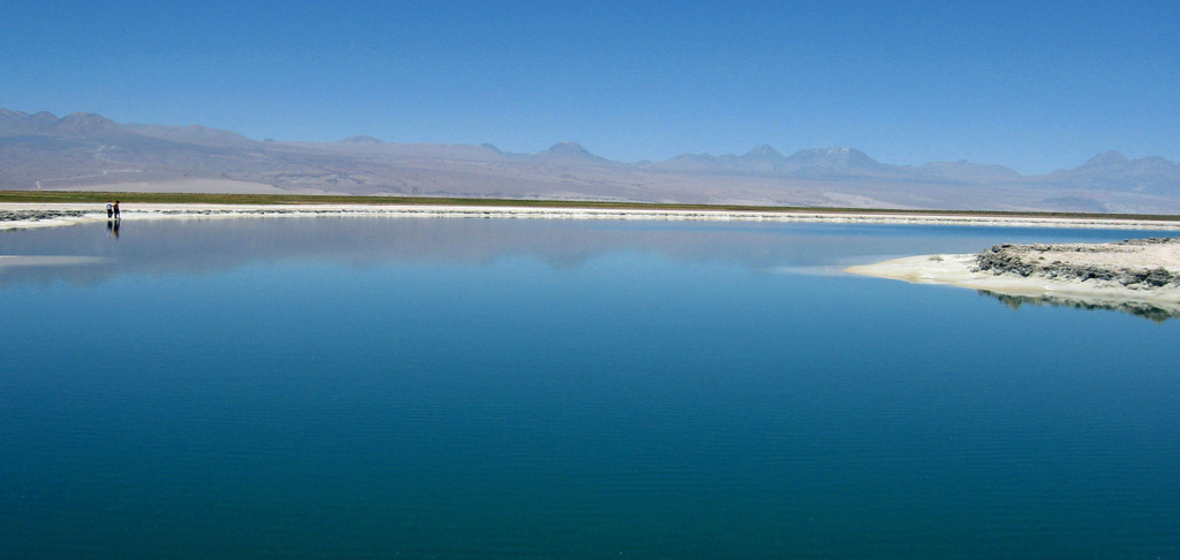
1033	85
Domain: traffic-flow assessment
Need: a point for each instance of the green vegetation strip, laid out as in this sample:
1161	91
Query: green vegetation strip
192	198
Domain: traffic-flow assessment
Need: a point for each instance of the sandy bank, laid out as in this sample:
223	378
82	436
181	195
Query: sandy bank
31	215
1104	275
49	260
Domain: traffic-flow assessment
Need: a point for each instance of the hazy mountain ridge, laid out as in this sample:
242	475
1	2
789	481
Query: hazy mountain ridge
966	171
834	162
79	124
86	150
192	134
362	139
1114	171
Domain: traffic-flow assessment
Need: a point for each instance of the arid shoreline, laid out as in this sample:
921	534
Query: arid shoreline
1129	273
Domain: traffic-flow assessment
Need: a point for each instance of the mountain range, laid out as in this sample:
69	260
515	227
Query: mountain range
86	151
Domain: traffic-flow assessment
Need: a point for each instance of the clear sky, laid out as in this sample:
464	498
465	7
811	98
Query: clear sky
1033	85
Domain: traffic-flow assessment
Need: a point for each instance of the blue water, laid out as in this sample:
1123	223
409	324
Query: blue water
417	388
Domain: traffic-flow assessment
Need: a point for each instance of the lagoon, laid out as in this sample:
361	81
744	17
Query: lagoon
377	387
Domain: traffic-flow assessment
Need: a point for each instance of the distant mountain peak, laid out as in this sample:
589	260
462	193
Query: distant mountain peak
1110	154
87	124
567	148
12	120
836	158
362	139
1106	159
568	152
763	152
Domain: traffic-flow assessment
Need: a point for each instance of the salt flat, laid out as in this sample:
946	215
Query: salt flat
19	215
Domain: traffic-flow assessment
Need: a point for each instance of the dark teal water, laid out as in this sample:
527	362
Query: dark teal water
385	388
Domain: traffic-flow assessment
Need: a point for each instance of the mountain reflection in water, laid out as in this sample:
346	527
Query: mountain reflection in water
94	253
196	246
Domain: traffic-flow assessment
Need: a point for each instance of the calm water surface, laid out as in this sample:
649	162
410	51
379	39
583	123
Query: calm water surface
419	388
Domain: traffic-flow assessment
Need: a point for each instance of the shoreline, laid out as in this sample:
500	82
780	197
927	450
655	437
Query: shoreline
1129	274
23	215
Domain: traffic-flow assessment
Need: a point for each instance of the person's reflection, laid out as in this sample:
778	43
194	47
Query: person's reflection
113	228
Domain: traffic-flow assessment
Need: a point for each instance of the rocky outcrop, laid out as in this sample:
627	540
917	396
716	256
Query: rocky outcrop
1114	263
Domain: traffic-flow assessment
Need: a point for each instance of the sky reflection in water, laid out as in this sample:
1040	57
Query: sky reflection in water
357	387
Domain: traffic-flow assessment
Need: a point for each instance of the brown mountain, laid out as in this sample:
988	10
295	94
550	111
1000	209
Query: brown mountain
88	151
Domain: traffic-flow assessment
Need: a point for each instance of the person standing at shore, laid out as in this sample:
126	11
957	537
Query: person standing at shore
116	210
110	210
